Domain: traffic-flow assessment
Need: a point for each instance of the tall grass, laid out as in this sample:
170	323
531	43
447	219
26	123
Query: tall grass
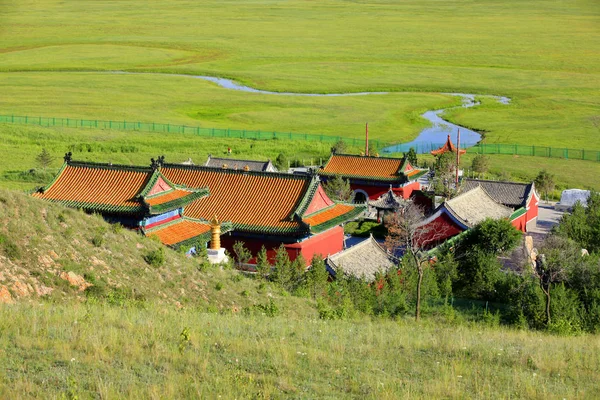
100	351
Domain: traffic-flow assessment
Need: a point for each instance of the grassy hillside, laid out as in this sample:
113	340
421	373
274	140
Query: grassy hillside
57	253
180	331
94	351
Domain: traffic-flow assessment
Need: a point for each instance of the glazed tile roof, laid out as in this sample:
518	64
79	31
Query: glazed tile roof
233	163
447	147
511	194
98	187
115	189
269	203
363	260
251	201
180	231
330	216
371	168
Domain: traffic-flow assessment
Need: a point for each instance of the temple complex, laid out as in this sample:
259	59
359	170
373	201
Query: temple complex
176	202
267	208
370	177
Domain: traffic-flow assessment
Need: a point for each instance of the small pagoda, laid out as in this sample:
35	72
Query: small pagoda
387	202
447	147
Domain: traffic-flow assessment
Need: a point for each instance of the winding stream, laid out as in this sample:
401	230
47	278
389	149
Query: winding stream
429	138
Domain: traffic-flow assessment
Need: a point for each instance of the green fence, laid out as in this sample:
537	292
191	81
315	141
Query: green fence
171	128
508	149
536	151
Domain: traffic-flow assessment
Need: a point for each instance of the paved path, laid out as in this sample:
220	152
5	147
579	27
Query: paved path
547	218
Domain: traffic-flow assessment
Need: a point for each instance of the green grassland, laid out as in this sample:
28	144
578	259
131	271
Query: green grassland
183	330
98	351
542	54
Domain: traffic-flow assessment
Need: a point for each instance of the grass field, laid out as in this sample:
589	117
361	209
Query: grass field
97	351
542	54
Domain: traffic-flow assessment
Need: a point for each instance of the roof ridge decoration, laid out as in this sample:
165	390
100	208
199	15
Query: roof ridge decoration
278	174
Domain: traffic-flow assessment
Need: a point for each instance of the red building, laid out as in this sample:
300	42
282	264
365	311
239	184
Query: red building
370	177
261	208
521	197
461	213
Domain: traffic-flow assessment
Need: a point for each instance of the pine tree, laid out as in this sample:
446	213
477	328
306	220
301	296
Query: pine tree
263	268
282	272
44	159
338	189
316	277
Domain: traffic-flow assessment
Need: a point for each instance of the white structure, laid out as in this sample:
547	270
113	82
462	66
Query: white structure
569	197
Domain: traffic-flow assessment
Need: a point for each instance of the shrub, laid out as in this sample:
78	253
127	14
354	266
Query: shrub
156	258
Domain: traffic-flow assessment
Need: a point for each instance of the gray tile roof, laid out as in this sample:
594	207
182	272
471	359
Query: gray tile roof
362	261
234	163
387	201
474	206
511	194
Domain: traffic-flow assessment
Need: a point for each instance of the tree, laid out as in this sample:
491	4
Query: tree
411	157
44	159
544	182
242	254
445	174
316	277
405	235
338	189
263	267
477	252
281	162
282	273
583	224
339	147
557	256
480	164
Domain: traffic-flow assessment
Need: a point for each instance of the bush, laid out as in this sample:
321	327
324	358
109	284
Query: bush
156	258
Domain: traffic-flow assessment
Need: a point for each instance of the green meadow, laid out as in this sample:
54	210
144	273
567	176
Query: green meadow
541	54
98	351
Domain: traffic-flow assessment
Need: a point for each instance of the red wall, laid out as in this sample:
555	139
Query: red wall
325	243
532	206
520	223
440	229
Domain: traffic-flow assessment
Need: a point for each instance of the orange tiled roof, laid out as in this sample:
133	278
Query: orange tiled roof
328	214
448	146
250	200
165	197
180	231
363	166
78	185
